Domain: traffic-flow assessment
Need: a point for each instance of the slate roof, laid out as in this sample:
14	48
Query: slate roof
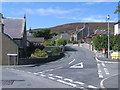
36	40
14	27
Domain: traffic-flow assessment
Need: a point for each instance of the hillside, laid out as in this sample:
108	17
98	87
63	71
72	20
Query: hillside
71	27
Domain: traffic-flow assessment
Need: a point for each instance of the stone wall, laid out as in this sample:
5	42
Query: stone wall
27	61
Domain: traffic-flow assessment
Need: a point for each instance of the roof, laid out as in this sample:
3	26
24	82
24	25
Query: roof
34	39
14	27
104	32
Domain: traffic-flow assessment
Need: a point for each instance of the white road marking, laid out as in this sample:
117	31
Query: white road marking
51	78
42	75
59	77
12	69
50	74
100	75
81	83
67	79
72	61
37	73
18	70
82	88
76	65
98	65
23	71
106	71
99	71
103	64
29	72
73	85
90	86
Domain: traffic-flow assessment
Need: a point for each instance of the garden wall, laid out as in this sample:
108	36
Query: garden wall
27	61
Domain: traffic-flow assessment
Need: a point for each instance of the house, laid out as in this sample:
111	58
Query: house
81	33
35	40
89	38
117	28
32	39
89	29
13	37
63	35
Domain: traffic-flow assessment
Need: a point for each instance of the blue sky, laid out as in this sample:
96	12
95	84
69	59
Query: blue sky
49	14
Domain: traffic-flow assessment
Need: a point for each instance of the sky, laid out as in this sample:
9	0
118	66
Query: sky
50	14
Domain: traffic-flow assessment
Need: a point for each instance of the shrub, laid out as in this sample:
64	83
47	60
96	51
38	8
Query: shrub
75	42
39	53
61	41
49	43
54	51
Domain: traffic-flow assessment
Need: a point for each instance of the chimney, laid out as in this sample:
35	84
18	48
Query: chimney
1	24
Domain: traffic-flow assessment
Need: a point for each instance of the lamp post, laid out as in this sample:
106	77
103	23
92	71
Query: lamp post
108	17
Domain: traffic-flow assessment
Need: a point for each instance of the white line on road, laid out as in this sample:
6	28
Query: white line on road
72	61
67	79
73	85
99	71
106	71
12	69
42	75
76	65
37	73
59	77
50	74
23	71
29	72
81	83
103	64
18	70
51	78
100	75
90	86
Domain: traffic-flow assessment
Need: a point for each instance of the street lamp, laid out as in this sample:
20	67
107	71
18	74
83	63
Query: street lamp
108	17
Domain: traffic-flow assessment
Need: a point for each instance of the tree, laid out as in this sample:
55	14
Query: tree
116	43
61	41
117	10
42	33
101	41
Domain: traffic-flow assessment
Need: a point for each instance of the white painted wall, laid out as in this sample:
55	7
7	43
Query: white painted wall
116	29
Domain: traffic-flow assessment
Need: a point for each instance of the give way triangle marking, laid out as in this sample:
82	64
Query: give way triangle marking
78	65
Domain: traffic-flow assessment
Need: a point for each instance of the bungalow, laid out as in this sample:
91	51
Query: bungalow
13	37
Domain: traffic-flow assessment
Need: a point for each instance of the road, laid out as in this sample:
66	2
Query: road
78	69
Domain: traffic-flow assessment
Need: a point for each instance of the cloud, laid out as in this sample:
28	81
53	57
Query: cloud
90	19
94	18
89	3
49	11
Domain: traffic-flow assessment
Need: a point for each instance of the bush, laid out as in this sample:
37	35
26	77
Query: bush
101	41
54	51
43	33
39	53
49	43
75	42
61	41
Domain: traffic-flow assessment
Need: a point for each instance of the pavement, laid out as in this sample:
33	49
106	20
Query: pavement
107	59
